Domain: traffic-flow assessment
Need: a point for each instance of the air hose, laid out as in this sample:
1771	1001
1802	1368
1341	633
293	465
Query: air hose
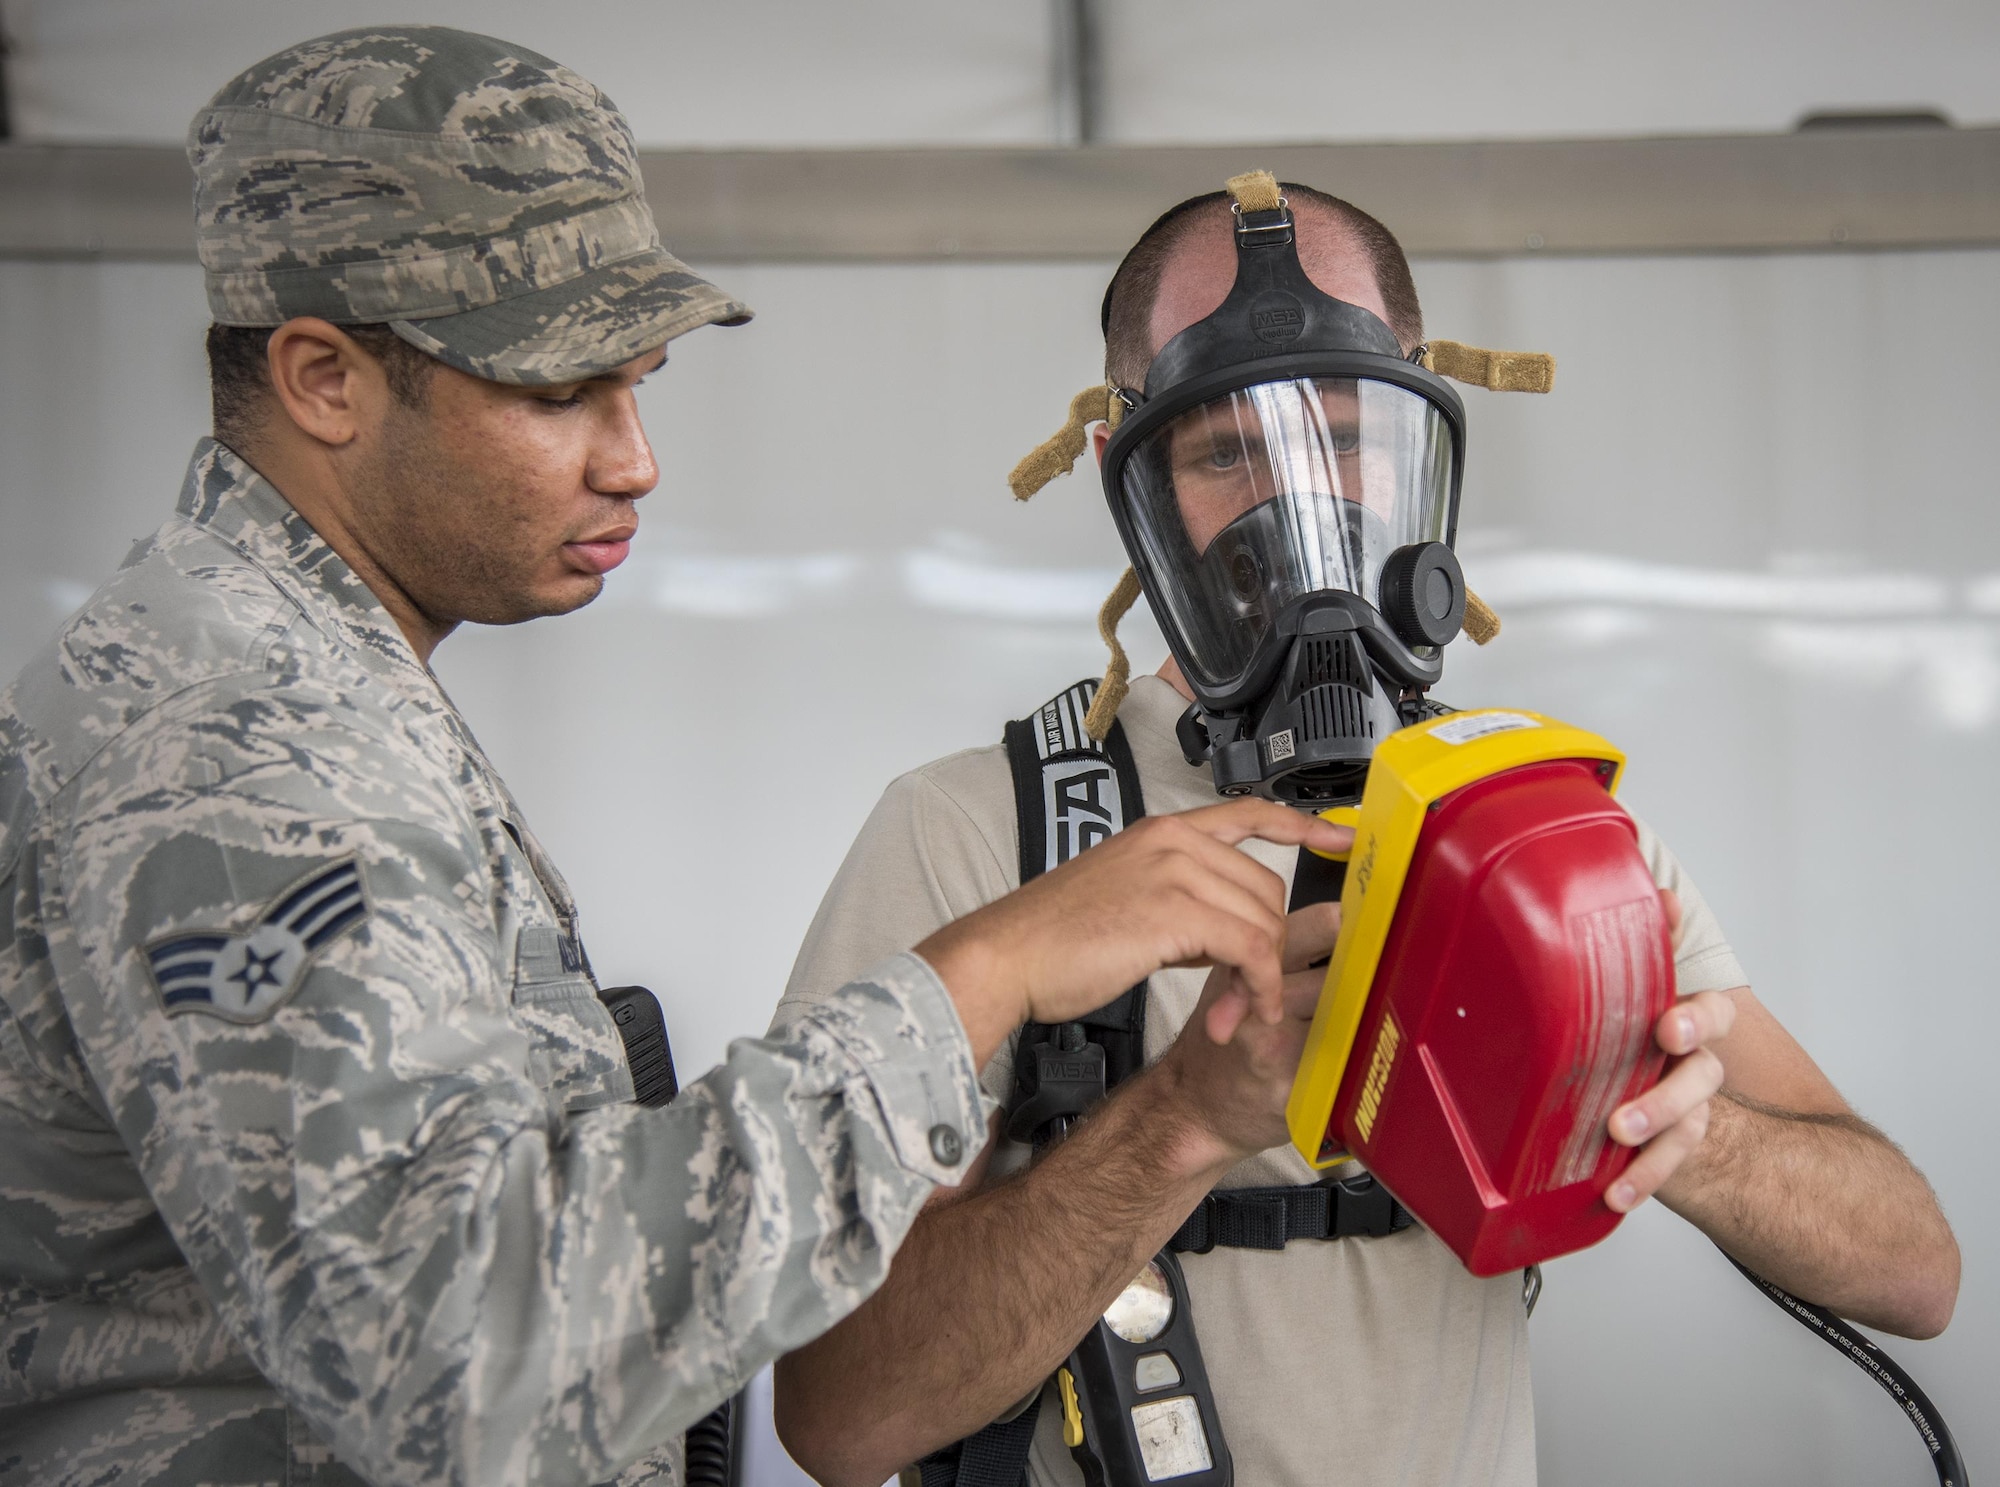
708	1447
1879	1366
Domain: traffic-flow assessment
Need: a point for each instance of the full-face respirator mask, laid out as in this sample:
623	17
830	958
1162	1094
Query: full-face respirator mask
1287	487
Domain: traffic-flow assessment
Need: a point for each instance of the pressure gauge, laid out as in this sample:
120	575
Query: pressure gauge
1137	1406
1144	1308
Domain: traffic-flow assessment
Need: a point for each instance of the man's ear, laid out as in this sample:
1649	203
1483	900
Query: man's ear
329	388
1100	435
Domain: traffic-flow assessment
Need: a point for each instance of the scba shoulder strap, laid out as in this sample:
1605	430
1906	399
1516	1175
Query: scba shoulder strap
1073	792
1070	793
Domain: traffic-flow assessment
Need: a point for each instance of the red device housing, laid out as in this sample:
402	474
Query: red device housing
1527	964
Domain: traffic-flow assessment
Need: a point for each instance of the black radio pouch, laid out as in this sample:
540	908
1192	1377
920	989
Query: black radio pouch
642	1028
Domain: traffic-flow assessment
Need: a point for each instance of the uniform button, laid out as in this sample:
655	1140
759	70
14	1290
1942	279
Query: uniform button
945	1145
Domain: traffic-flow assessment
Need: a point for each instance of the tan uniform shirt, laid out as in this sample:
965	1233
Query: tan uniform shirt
1388	1346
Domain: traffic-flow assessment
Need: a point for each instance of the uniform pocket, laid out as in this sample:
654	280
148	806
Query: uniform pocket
574	1051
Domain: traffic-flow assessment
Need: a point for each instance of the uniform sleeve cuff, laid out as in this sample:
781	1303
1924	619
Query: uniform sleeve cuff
1712	970
904	1032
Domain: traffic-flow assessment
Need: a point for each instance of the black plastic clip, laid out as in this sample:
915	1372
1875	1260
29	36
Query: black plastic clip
1363	1207
1061	1082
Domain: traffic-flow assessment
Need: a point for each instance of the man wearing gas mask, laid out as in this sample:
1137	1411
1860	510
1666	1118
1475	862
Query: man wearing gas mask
1283	464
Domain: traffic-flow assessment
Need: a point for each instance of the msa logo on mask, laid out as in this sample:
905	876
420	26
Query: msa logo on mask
1277	318
1082	805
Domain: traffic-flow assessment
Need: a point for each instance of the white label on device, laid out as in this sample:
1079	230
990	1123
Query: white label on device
1171	1440
1477	725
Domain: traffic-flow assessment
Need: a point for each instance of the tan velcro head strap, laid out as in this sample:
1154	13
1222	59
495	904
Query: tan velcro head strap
1496	371
1058	454
1253	191
1480	624
1118	673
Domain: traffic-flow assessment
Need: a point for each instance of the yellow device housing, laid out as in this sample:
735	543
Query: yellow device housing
1412	768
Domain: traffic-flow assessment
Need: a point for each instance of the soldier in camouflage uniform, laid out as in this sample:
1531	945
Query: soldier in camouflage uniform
319	1160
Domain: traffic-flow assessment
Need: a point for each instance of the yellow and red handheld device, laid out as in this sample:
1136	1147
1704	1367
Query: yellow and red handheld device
1503	958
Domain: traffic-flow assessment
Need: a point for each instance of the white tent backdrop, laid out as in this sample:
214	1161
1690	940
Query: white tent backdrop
1753	537
788	72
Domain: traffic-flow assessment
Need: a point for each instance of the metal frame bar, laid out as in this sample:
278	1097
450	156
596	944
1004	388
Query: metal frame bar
1848	188
1079	75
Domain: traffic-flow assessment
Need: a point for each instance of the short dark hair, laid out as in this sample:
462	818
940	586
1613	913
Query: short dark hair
1128	341
239	379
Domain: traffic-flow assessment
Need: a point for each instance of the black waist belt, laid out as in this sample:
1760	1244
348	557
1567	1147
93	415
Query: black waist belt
1267	1218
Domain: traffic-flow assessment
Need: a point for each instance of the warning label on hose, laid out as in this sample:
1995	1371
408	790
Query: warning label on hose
1469	726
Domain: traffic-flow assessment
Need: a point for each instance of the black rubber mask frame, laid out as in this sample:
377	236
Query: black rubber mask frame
1275	325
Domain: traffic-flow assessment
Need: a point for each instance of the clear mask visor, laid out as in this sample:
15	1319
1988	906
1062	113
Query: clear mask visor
1262	495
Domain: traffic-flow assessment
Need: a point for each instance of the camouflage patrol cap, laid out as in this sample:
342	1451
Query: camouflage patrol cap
481	199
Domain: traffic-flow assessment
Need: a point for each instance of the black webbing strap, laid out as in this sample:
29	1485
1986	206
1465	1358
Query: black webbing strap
1316	880
1354	1207
1071	792
994	1457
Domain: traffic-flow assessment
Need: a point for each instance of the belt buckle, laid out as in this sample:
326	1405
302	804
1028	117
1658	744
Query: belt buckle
1364	1207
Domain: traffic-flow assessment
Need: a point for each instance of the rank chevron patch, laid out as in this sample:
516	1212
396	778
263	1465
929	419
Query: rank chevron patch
245	978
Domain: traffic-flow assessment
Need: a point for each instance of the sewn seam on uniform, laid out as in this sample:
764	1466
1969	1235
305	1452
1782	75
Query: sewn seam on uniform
950	1056
340	620
16	1047
84	767
1011	878
547	238
271	632
1703	966
952	1025
862	1075
429	137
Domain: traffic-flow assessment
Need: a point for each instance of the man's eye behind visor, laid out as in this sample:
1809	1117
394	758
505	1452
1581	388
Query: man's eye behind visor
1248	501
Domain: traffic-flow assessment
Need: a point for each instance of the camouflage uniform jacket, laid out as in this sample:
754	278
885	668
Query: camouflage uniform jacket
318	1160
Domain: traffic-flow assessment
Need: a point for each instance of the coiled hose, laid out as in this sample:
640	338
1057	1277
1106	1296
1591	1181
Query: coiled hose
709	1441
1879	1366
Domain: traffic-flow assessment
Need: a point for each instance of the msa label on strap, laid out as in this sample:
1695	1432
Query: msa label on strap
1082	806
1059	723
1081	801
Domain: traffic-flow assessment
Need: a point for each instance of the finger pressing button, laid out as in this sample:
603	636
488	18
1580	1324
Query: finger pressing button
946	1145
